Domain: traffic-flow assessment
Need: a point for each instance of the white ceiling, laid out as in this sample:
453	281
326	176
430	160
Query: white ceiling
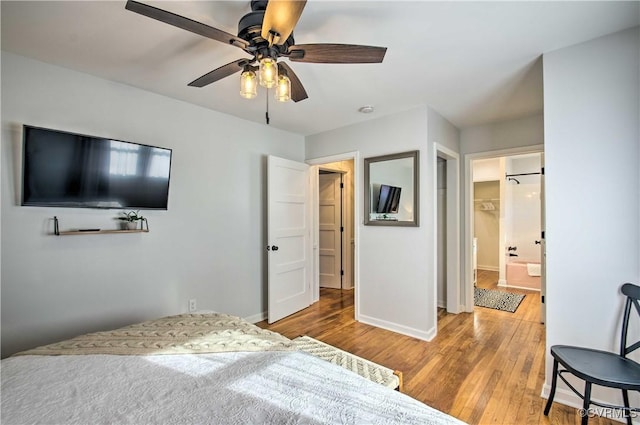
473	62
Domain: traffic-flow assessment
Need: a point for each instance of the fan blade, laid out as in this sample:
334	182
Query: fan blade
220	73
280	18
336	53
298	92
185	23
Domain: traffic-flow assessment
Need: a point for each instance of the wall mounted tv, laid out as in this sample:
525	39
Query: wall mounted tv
389	199
61	169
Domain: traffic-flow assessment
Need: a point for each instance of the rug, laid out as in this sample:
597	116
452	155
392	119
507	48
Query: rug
498	300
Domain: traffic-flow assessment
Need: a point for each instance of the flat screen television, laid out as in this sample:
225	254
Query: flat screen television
389	199
61	169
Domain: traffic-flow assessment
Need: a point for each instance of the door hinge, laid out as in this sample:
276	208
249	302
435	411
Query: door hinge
542	299
341	229
341	185
542	171
542	234
341	272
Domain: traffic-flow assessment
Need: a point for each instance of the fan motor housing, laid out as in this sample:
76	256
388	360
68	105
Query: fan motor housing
250	29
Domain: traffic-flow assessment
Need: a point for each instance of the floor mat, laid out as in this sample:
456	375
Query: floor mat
498	300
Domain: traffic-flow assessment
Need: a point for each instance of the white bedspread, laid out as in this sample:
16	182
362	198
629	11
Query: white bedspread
221	388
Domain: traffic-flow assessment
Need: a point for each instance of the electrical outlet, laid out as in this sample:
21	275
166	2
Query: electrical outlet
192	305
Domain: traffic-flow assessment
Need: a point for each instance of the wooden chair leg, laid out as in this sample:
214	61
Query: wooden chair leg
552	393
627	413
586	403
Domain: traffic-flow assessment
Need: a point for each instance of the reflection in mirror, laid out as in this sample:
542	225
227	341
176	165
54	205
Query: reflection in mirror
391	190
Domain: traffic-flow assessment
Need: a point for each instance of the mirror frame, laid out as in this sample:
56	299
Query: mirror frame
415	155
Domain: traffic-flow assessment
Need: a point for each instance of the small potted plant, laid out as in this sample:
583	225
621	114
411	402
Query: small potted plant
129	220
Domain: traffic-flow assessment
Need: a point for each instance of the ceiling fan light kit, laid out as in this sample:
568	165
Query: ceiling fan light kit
266	34
248	83
283	88
268	72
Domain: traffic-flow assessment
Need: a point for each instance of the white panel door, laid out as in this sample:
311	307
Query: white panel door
330	240
288	238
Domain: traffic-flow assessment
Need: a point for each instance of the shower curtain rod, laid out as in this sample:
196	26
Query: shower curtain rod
521	174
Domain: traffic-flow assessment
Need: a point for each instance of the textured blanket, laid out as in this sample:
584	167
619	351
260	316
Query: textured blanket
182	334
272	387
365	368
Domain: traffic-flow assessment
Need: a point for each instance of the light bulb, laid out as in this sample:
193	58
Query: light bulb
248	84
268	72
283	89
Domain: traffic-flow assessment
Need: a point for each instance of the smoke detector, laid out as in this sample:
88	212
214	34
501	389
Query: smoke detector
367	109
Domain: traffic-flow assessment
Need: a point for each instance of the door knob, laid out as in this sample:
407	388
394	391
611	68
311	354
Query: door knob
272	248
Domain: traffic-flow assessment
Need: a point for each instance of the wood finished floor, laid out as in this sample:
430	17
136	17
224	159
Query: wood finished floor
483	368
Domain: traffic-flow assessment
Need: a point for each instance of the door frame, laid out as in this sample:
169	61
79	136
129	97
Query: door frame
468	212
315	164
453	287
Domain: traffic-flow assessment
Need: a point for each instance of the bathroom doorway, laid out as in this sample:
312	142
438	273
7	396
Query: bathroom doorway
506	212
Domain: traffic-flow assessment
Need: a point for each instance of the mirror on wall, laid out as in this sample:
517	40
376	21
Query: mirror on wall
391	190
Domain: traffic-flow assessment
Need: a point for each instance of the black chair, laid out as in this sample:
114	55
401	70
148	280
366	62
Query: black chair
601	367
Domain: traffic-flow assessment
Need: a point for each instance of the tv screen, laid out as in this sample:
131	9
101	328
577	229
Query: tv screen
389	199
63	169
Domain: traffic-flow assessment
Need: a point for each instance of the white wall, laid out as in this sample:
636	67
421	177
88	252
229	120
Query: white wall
442	131
208	245
487	170
522	132
591	111
397	288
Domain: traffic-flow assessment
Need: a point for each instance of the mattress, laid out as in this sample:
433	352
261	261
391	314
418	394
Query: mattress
227	387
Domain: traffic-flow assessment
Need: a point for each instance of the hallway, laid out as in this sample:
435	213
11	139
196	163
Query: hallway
482	368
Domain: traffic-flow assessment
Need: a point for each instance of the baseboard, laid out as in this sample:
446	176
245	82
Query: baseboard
489	268
523	287
505	284
568	398
401	329
256	317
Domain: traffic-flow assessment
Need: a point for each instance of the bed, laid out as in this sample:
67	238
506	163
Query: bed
194	369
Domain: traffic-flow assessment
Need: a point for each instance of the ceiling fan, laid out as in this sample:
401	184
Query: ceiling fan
266	34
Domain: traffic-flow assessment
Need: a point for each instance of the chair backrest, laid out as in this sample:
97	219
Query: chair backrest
633	295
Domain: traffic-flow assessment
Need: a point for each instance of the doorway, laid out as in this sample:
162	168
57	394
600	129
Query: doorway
504	216
448	288
335	204
331	229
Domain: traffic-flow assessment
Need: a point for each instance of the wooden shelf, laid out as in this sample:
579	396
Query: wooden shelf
98	232
58	232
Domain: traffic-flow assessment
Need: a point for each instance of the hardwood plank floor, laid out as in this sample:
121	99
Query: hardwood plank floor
483	368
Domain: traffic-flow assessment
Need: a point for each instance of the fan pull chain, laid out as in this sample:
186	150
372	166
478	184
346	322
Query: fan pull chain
266	114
